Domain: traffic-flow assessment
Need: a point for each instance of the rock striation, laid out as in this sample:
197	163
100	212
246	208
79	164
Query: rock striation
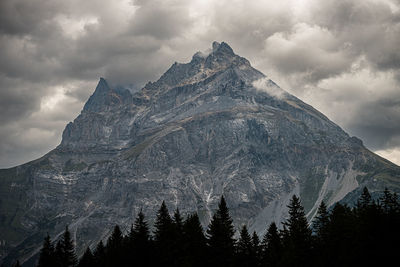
209	127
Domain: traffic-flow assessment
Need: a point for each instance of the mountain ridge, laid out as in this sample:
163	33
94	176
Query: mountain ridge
209	127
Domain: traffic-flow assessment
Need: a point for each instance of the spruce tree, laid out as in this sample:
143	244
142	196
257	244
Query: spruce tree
321	226
164	236
87	259
140	233
342	237
220	234
47	254
177	242
389	230
65	250
321	223
365	200
368	216
163	225
178	221
139	247
114	247
194	242
99	254
298	241
271	247
245	253
256	247
389	202
115	241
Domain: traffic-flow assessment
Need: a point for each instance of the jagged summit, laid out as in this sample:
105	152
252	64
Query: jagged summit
217	48
212	126
222	48
201	67
106	97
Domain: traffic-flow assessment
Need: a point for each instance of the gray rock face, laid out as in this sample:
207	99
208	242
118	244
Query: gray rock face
210	127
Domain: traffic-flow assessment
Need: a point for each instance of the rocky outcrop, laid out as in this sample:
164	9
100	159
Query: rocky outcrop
209	127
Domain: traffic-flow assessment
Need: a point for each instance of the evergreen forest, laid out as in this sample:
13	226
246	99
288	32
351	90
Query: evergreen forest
364	235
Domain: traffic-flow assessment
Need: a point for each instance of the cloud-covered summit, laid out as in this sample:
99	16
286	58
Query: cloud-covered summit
342	57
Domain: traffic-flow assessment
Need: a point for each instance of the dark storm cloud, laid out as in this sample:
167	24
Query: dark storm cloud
336	55
371	27
160	19
18	17
385	115
17	99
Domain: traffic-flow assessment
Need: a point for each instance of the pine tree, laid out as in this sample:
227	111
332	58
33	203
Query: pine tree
163	236
298	241
114	247
115	241
139	242
256	248
368	216
163	225
47	253
87	259
99	254
178	221
194	242
65	250
321	223
271	247
220	234
365	200
342	237
177	242
244	249
321	226
390	203
140	232
389	231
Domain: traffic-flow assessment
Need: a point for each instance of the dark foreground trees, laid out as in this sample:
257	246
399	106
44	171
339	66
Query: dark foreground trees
366	235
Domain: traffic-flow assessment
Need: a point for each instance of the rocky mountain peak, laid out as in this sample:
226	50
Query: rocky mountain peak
203	65
214	126
105	97
222	48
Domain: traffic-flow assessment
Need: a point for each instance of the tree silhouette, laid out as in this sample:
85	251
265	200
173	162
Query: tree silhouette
47	254
114	247
194	247
87	259
271	247
365	199
164	236
365	235
139	245
244	249
321	226
321	223
256	247
297	238
99	254
220	234
65	250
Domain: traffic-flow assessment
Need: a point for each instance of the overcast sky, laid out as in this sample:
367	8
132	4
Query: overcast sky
340	56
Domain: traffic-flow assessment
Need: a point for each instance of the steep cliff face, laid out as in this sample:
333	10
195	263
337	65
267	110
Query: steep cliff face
210	127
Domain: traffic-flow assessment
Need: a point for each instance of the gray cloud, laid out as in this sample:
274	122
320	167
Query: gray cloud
336	55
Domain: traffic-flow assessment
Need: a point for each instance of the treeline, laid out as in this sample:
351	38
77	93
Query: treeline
366	235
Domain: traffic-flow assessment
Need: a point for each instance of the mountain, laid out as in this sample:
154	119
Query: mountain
209	127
